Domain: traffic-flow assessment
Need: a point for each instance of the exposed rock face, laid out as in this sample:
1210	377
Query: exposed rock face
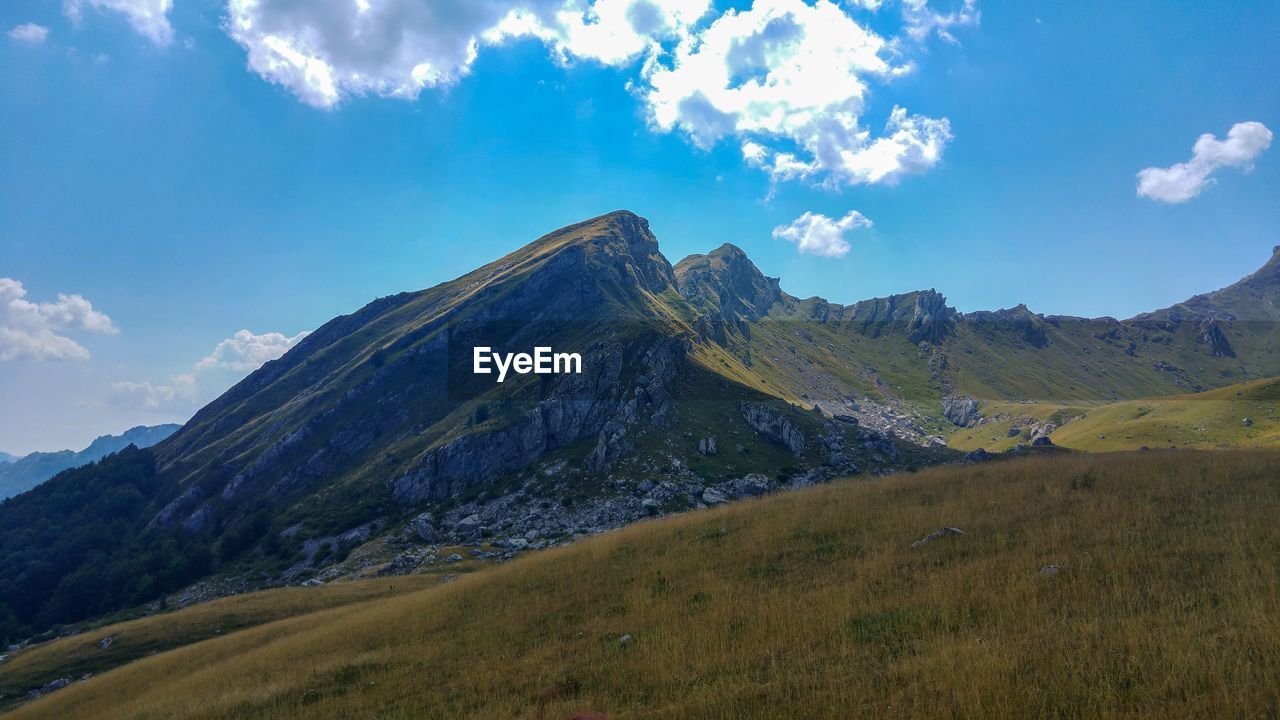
593	404
931	319
961	410
774	425
1211	335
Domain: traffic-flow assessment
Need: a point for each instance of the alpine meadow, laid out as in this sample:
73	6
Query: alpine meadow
932	369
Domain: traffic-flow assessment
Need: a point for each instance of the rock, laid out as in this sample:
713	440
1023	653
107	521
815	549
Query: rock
106	642
517	543
50	687
936	534
453	558
931	319
313	582
774	425
712	496
469	521
707	446
1014	431
1054	569
1247	422
1211	334
625	640
532	535
849	419
423	526
644	487
751	485
649	504
961	410
1042	441
977	456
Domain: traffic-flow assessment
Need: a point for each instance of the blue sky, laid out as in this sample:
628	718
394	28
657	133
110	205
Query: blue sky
154	163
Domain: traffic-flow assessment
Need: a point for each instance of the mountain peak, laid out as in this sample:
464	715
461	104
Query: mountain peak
725	279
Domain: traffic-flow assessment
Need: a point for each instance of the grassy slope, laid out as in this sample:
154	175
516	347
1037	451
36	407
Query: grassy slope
807	604
1203	420
74	656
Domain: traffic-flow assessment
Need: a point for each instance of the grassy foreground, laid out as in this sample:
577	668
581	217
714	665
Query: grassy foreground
87	653
806	605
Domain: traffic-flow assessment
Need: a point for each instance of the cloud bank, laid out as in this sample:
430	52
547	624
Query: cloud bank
34	331
149	18
1179	183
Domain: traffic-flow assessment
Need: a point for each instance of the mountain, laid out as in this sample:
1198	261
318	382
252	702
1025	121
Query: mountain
372	448
18	475
7	458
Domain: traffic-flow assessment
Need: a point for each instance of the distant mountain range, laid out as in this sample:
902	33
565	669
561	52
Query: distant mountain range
702	382
21	473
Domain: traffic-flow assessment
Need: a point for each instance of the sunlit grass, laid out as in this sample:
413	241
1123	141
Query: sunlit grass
807	604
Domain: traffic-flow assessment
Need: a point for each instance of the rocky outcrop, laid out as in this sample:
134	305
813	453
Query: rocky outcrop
961	410
931	319
1212	336
595	404
774	425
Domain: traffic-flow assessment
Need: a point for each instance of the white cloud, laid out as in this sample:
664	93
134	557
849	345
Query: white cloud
1183	181
246	352
152	396
240	354
29	33
150	18
817	234
921	20
789	81
31	331
326	50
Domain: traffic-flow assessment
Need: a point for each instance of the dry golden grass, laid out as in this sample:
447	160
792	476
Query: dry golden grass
80	654
807	605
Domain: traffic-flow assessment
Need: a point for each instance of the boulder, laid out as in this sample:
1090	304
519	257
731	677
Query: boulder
774	425
961	410
935	535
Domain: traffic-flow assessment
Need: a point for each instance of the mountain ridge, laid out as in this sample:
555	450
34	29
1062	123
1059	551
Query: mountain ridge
23	473
370	446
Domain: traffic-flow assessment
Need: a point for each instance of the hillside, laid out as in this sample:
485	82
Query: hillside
1135	585
1243	415
19	474
371	448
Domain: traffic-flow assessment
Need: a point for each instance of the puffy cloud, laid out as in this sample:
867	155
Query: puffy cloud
150	18
817	234
31	331
1183	181
240	354
29	33
246	352
325	50
789	81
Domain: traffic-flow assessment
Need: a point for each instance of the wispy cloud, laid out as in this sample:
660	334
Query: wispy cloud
29	33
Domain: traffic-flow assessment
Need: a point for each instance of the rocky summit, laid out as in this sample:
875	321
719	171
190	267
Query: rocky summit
371	448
